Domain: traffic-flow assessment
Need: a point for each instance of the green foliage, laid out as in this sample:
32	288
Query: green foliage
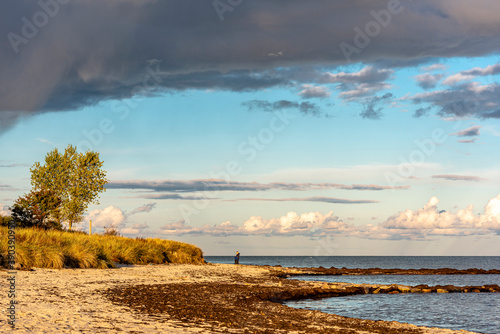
4	220
39	208
59	249
77	178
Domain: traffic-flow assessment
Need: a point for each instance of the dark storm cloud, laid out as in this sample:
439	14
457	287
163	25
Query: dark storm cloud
186	186
422	112
427	80
63	55
372	108
174	186
308	108
173	197
142	209
465	100
330	200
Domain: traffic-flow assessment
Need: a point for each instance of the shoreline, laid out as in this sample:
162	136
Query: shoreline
332	271
212	298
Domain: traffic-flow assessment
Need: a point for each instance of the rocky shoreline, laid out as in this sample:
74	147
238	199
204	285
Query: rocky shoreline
256	305
378	271
211	298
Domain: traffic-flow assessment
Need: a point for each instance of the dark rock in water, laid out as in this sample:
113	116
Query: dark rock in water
492	288
379	271
421	286
452	288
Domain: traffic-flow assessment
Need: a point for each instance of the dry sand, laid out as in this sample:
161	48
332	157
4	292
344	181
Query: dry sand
70	300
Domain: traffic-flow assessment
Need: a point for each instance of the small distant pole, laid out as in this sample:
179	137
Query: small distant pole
90	227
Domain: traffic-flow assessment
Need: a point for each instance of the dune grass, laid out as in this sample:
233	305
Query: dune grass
60	249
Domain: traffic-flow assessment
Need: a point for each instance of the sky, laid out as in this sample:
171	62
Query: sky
272	128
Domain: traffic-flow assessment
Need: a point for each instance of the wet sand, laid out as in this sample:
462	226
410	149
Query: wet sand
177	299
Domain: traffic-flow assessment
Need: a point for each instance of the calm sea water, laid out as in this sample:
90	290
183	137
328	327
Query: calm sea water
386	262
478	312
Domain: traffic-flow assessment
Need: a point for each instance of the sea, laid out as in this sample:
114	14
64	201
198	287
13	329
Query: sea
477	312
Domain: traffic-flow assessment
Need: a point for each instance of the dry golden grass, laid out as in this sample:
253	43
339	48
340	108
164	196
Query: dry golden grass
59	249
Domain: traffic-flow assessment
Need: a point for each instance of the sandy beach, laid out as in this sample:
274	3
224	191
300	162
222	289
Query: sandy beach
212	298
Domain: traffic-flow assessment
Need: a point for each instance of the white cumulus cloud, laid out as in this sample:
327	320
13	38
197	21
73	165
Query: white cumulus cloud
110	216
292	224
463	222
491	218
421	224
312	223
117	218
429	217
134	229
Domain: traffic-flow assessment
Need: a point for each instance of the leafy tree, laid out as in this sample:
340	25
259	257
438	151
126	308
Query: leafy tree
4	220
39	208
22	216
77	178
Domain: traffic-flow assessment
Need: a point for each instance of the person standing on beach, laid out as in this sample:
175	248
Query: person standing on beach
237	258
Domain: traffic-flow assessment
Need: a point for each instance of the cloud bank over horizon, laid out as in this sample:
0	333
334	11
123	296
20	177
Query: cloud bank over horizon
422	224
215	185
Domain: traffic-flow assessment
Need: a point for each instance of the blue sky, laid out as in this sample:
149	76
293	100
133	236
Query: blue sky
285	152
